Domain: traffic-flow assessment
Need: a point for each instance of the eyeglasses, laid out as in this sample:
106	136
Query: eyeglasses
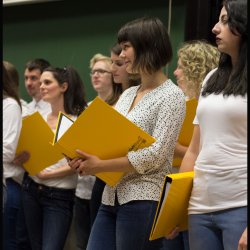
99	72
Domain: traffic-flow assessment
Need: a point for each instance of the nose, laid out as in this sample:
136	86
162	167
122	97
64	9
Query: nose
215	29
122	55
112	67
176	72
28	81
41	86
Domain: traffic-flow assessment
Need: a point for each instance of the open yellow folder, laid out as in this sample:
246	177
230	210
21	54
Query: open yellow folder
36	137
173	205
102	131
186	132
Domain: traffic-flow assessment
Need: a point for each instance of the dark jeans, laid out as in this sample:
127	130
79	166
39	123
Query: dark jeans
180	242
11	208
124	227
96	198
48	213
82	222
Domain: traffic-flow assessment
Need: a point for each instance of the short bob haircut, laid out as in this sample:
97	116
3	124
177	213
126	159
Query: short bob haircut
149	38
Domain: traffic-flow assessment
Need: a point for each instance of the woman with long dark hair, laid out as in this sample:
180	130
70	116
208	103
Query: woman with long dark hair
218	150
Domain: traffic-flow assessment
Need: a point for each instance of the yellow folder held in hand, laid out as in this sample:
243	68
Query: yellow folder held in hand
35	138
172	207
187	128
102	131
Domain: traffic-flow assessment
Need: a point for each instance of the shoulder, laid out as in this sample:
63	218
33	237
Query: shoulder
171	91
9	101
209	74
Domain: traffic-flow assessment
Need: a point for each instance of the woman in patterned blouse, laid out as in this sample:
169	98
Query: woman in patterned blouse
157	105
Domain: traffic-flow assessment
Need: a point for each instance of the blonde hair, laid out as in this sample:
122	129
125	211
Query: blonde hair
117	88
99	57
198	58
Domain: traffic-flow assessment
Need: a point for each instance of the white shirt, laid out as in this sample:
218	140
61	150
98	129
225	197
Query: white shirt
12	123
220	180
66	182
24	107
41	106
85	186
160	113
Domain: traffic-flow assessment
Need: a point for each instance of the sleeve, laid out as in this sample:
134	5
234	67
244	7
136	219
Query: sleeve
169	119
196	121
12	122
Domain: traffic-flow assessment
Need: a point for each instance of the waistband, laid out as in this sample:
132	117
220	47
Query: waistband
53	192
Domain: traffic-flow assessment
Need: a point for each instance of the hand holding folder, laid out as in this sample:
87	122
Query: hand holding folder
35	138
172	207
102	131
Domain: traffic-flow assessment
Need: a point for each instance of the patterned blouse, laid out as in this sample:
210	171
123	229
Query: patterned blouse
160	113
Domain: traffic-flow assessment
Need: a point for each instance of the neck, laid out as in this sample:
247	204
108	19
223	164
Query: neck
152	81
56	107
104	95
37	99
125	85
234	59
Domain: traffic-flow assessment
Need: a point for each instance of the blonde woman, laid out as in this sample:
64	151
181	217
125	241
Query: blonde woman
196	59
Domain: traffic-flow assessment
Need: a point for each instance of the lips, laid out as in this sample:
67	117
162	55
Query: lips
218	40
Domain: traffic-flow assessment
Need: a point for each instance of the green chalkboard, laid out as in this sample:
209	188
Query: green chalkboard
70	33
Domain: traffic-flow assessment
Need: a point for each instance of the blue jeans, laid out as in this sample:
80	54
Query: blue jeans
124	227
82	222
11	208
23	242
96	198
180	242
4	195
48	213
218	230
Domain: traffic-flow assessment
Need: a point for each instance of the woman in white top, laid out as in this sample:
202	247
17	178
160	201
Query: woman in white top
218	150
196	58
48	197
157	105
12	174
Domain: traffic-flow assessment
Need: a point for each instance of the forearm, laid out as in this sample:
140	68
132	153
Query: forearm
180	150
121	164
56	173
191	155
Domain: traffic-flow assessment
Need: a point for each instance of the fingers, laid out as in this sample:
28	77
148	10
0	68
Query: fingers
75	163
82	154
21	158
173	234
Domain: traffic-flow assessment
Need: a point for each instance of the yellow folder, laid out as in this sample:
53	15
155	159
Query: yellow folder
102	131
173	205
186	132
36	137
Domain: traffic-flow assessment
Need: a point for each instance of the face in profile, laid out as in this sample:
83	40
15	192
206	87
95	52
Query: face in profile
226	41
128	56
118	69
179	75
